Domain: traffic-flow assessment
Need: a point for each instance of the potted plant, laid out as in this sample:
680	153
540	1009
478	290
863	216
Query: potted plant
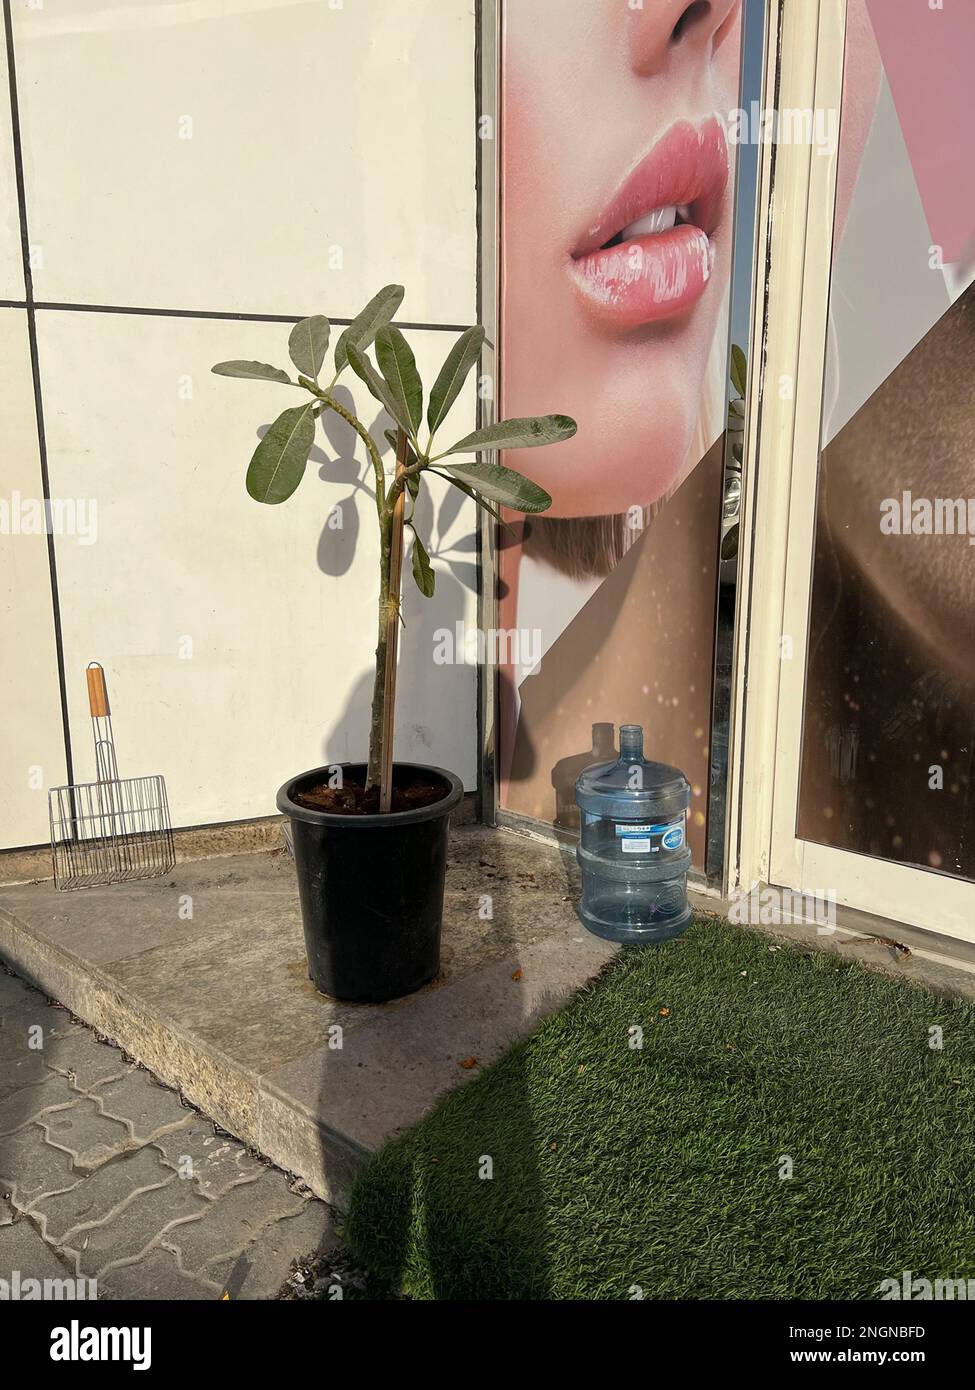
370	839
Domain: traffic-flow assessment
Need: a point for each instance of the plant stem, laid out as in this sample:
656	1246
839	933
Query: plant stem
367	439
374	770
399	482
388	601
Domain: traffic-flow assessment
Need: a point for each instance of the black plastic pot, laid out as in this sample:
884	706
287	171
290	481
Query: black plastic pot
371	887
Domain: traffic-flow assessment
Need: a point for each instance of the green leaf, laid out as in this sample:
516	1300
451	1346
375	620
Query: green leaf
308	343
469	492
259	370
423	573
500	484
739	369
398	366
279	460
516	434
364	369
366	325
458	362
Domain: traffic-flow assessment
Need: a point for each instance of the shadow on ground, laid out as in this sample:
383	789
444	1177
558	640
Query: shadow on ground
492	1146
723	1117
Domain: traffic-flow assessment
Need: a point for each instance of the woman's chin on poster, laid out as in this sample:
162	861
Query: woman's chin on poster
617	248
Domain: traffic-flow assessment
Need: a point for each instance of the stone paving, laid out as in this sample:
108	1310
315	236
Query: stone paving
107	1174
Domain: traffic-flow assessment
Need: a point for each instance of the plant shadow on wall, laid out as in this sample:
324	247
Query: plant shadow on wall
338	465
422	683
280	460
370	838
423	620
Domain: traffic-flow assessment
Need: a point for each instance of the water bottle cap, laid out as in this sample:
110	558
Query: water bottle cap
631	740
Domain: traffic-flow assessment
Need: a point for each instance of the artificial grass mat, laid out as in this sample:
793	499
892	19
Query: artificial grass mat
621	1172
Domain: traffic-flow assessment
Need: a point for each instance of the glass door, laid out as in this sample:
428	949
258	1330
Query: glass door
870	397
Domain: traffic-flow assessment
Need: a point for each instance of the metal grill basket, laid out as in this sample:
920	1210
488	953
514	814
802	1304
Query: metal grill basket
113	830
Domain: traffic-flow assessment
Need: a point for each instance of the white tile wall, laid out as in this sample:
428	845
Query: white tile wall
11	260
260	156
31	743
238	638
232	156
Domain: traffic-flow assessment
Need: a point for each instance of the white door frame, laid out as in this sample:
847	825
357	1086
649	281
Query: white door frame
778	516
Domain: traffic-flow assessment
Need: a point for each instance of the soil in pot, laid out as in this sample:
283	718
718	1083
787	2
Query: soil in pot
352	799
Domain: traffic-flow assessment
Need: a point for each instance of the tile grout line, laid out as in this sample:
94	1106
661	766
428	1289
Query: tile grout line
29	306
54	306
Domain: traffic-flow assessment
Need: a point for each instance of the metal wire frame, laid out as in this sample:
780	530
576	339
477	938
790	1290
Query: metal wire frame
111	830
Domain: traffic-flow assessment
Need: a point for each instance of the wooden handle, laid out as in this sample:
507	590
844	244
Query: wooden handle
97	692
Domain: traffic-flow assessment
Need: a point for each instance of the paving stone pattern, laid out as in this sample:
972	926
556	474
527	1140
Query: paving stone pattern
106	1174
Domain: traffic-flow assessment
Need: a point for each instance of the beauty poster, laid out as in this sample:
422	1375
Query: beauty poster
617	190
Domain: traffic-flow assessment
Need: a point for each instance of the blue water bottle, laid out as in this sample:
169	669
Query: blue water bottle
633	851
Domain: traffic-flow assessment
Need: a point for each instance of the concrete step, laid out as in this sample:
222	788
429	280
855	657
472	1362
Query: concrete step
201	976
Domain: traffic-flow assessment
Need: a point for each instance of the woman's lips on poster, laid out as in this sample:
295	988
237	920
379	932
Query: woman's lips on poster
650	255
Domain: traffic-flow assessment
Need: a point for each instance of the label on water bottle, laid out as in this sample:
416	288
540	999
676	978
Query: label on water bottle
651	839
633	844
